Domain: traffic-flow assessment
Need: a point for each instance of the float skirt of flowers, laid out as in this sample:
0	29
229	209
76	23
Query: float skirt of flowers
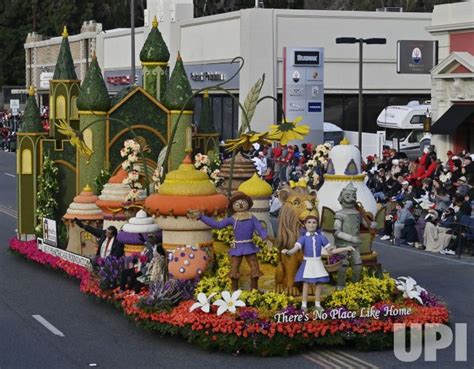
244	331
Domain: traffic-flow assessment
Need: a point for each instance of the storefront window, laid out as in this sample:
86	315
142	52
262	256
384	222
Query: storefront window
225	114
333	109
350	117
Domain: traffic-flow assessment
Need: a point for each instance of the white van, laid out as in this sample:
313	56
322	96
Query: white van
405	123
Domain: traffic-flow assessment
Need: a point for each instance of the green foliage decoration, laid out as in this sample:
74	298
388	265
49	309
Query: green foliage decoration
46	203
101	180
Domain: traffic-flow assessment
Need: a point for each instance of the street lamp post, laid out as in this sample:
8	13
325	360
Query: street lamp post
361	42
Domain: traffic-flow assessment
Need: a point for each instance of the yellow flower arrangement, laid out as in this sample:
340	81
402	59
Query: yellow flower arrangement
268	302
267	255
362	294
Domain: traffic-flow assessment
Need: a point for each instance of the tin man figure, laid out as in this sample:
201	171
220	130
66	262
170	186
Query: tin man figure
347	222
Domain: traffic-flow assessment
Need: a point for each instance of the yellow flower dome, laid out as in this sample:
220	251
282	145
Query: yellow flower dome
187	181
256	187
183	189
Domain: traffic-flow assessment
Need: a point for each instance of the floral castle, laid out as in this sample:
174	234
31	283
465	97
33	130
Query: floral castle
147	114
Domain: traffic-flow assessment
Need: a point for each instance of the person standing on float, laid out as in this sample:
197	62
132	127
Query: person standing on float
244	225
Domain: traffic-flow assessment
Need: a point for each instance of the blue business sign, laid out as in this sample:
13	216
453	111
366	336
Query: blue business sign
315	107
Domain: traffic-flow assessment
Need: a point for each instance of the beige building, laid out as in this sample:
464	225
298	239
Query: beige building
41	55
453	78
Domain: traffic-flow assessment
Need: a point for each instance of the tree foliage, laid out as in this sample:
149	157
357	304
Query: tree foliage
209	7
48	17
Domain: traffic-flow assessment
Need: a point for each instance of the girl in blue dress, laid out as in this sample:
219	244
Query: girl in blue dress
311	270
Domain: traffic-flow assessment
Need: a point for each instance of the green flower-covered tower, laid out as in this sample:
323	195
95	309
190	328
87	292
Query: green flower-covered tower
154	57
63	90
176	96
93	103
28	169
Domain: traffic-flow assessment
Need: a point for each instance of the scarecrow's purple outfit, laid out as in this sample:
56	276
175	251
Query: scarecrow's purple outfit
243	233
312	268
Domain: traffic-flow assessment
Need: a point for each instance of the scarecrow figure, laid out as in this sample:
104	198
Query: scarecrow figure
244	225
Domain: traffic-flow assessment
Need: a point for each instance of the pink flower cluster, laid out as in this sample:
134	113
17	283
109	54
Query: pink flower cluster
30	251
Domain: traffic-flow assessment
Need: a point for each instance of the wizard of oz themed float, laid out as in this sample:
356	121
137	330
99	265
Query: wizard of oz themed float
149	218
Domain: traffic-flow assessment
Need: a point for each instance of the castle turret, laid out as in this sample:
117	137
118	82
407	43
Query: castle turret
154	57
176	96
28	166
63	90
93	103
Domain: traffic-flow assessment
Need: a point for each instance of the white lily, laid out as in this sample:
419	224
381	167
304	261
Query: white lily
203	302
410	288
228	302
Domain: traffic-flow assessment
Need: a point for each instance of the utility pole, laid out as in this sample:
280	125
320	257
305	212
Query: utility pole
132	35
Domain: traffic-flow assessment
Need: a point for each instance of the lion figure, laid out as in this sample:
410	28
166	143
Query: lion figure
297	203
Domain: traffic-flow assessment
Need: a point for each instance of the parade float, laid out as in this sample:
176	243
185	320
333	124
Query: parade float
199	300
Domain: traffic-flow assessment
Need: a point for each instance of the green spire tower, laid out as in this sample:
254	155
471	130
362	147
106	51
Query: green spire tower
175	98
63	90
28	166
154	57
93	103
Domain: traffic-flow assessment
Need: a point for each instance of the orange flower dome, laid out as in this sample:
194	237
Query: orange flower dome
84	207
114	195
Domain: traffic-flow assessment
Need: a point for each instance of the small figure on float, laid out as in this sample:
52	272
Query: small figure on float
106	239
148	267
312	270
244	225
347	222
155	266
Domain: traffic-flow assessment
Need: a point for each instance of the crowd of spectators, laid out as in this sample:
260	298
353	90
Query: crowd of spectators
429	201
281	164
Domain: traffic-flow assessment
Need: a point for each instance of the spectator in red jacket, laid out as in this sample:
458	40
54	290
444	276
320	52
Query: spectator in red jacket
450	161
431	168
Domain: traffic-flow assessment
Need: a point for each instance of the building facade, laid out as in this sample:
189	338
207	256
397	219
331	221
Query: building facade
41	55
453	78
209	44
259	36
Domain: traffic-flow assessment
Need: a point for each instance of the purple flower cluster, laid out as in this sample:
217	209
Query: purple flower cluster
109	270
334	258
430	300
292	310
248	315
162	294
187	289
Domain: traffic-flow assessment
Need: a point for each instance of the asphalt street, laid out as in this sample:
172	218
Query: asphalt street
95	334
